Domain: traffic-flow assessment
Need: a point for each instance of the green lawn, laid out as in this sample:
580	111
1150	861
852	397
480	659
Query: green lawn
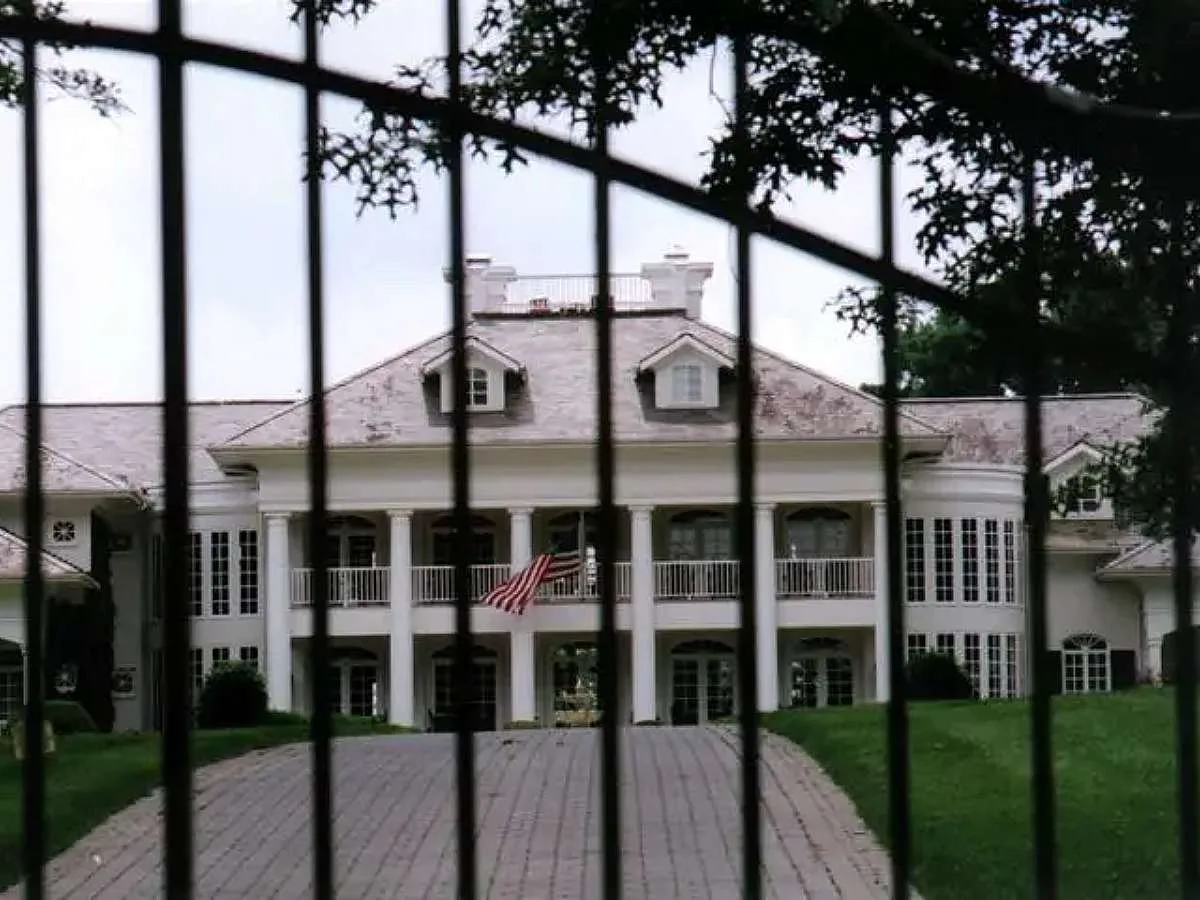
94	775
1114	768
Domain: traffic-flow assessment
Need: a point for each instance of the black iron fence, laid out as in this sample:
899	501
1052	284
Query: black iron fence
1041	120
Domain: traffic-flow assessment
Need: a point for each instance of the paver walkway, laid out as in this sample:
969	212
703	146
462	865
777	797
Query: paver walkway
539	823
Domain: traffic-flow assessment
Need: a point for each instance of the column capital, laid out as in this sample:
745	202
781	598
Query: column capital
640	508
276	517
400	514
765	506
520	511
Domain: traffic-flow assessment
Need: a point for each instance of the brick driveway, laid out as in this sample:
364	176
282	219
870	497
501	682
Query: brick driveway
539	823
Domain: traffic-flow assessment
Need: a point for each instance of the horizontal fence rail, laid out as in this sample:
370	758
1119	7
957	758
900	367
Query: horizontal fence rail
1077	127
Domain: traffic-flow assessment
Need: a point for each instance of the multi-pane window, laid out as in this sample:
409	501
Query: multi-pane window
995	674
969	530
1085	493
477	387
945	643
943	560
249	655
248	572
914	560
1087	664
218	551
687	383
971	659
196	670
918	644
219	655
991	559
1010	562
1011	665
196	573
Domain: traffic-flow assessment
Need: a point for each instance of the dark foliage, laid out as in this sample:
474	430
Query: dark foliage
936	676
234	696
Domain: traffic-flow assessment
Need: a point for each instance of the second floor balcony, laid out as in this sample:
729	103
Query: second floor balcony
673	580
819	553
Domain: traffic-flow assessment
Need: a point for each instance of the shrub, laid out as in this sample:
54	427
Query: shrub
234	696
937	676
68	717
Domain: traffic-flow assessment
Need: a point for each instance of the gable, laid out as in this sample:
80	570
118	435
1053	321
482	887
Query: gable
13	554
60	473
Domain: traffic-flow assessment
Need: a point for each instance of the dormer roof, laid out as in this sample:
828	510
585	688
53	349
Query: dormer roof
478	346
681	343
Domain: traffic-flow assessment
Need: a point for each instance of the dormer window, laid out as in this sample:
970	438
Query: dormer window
1085	494
487	372
477	388
687	373
687	384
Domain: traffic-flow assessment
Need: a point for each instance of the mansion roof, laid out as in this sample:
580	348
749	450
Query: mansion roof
393	405
116	448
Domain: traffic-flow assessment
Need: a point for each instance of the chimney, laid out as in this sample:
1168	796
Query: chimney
677	282
485	284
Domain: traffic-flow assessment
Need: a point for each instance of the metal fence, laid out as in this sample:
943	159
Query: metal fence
1039	119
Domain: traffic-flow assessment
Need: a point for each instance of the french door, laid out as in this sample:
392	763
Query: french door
702	688
355	688
481	695
825	679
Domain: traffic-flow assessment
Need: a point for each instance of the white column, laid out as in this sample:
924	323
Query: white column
882	691
643	637
523	670
279	632
766	607
401	665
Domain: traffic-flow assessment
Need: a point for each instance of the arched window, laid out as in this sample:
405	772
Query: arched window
483	541
819	533
700	535
1086	664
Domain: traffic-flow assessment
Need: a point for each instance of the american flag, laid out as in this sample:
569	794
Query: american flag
515	593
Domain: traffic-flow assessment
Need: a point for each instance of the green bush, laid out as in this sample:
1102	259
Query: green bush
68	717
937	676
234	696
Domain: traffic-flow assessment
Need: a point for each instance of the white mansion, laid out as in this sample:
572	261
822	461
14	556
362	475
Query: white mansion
531	342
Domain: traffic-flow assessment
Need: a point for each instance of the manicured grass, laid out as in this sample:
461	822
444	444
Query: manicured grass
972	831
93	776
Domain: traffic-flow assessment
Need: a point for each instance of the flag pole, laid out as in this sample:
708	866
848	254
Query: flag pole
581	545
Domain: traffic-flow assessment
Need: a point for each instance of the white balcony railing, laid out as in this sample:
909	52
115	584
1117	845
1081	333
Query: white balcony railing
435	584
585	587
824	578
673	580
697	580
358	586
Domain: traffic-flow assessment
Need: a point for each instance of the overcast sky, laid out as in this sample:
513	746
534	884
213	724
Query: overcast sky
385	288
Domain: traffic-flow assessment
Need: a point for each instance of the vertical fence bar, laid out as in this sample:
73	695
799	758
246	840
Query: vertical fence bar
1181	420
745	456
33	769
899	793
460	460
1037	511
610	761
177	719
321	725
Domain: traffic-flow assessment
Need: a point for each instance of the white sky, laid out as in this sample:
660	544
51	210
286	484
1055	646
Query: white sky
385	290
